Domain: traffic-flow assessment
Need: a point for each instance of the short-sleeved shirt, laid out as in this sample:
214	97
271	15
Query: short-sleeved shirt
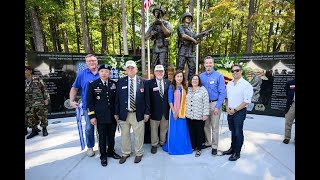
82	83
239	93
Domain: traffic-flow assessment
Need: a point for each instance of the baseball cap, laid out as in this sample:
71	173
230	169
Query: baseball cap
130	63
159	67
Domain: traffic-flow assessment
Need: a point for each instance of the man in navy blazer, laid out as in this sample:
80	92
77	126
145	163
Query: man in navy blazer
132	109
158	91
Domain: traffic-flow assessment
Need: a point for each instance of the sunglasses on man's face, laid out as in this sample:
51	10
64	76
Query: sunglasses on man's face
236	70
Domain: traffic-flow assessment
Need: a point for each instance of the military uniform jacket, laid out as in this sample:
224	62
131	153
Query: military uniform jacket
101	101
35	92
159	106
160	41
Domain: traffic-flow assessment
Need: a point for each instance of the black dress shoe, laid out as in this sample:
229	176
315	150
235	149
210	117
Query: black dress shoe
114	155
104	162
286	141
214	152
123	159
154	149
137	159
234	156
228	152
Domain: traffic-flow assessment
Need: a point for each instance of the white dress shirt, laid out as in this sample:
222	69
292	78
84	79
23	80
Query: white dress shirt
239	93
134	91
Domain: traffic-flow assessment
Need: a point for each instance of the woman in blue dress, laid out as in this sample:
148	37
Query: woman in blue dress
178	139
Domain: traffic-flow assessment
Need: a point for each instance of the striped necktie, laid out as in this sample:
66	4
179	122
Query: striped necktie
160	86
132	103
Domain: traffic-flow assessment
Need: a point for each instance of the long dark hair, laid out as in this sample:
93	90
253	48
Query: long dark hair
174	83
199	84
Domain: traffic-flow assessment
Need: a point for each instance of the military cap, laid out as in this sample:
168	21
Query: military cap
27	69
104	66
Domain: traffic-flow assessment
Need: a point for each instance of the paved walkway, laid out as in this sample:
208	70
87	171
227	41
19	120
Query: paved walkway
263	157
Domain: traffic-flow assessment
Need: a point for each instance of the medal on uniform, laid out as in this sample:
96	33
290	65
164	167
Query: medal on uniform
98	97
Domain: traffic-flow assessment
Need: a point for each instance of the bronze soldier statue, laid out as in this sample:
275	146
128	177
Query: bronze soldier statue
159	31
36	102
187	41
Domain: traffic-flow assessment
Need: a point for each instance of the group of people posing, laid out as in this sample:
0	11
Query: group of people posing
187	114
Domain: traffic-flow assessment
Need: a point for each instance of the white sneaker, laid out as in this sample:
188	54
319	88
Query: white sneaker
90	152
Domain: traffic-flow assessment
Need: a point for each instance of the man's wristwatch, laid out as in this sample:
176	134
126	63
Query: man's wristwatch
235	110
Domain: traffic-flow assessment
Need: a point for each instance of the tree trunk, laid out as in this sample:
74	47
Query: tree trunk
119	32
124	28
103	28
143	58
52	34
133	29
191	10
84	28
232	38
250	28
270	31
274	46
76	22
36	30
65	40
58	40
240	36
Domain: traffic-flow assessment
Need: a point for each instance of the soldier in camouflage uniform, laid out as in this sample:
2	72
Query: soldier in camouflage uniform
36	103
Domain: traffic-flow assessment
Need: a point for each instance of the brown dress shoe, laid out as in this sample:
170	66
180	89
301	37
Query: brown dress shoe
137	159
123	159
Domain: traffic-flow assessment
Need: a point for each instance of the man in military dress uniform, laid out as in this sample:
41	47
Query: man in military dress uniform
36	103
100	102
159	31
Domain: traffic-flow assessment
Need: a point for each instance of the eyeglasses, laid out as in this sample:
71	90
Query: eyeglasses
236	70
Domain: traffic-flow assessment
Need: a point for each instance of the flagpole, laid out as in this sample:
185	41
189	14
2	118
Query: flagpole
197	47
148	42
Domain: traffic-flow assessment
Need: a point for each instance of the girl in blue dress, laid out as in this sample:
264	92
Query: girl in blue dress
178	139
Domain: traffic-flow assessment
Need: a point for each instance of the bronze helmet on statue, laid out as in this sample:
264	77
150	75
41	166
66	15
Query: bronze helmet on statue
185	15
158	7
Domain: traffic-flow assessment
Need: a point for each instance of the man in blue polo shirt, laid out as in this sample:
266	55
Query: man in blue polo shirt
213	81
81	83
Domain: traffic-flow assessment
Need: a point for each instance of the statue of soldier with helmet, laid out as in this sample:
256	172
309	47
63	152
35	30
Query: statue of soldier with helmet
187	41
159	31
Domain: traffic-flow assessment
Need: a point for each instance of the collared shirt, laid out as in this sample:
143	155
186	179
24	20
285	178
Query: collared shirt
104	81
82	83
239	93
162	84
134	91
215	85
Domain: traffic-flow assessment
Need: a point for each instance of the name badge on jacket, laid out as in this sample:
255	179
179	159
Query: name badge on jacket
211	82
156	89
141	90
292	87
124	87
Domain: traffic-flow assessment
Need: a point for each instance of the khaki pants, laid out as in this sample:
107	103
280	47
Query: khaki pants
138	131
290	116
154	125
211	127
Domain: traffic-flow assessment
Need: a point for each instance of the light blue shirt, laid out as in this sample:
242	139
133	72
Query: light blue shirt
215	85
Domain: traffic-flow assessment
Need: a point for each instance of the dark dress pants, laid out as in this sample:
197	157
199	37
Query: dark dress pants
106	131
196	131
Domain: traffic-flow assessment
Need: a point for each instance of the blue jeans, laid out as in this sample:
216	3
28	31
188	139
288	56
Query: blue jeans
89	130
235	123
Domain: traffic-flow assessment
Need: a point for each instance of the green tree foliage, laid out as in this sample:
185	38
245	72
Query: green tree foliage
229	18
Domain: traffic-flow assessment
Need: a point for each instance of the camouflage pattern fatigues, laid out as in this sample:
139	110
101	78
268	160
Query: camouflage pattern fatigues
35	109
